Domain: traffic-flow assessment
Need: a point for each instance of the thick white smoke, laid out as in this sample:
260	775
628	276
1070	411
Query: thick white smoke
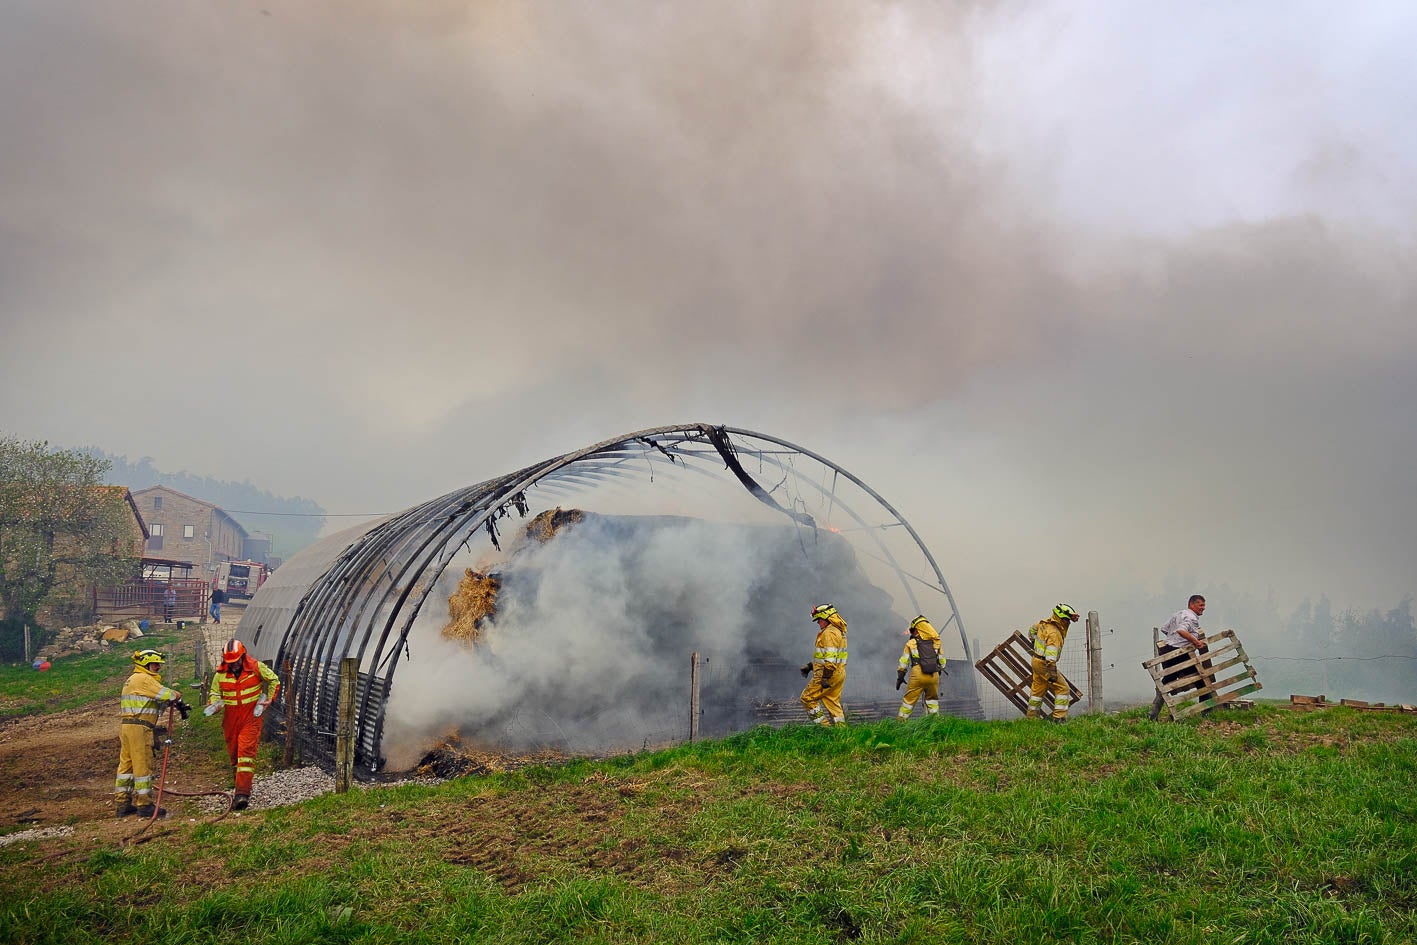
572	654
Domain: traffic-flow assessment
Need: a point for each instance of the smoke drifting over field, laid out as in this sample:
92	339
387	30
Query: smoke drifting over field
1095	298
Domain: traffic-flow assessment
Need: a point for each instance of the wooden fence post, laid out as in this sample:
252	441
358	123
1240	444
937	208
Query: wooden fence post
1094	663
288	689
344	730
199	661
694	695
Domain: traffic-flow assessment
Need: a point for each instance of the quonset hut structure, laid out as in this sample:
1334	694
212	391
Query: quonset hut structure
363	593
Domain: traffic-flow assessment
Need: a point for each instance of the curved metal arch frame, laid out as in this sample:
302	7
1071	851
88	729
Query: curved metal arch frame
403	557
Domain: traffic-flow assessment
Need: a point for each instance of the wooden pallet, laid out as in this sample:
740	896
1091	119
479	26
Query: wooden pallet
1182	697
1321	702
1009	667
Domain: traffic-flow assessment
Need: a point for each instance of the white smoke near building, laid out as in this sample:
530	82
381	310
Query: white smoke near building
589	649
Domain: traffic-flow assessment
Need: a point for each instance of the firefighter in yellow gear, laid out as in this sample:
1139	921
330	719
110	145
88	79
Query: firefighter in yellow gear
1048	635
822	697
140	707
922	662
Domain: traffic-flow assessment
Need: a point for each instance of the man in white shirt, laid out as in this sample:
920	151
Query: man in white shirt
1181	634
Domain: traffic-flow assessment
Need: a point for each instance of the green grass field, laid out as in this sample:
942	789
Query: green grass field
1263	826
89	677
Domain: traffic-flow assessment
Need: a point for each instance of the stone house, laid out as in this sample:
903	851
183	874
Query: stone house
184	528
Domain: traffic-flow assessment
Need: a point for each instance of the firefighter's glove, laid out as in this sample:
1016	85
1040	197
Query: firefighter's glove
183	709
211	709
899	678
827	674
806	669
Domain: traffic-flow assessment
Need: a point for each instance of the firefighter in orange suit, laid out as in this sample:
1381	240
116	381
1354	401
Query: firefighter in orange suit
1048	635
822	697
921	661
244	686
144	697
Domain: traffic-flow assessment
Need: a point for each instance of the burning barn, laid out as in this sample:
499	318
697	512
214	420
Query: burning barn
557	607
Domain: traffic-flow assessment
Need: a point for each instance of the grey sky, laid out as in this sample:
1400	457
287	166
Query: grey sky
1091	298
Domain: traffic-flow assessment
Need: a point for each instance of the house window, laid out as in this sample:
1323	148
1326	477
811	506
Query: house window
187	531
155	530
157	501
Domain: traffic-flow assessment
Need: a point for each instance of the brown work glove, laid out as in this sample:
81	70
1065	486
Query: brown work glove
899	678
806	670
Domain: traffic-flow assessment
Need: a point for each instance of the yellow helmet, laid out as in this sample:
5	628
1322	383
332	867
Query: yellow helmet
1064	612
150	660
823	611
918	621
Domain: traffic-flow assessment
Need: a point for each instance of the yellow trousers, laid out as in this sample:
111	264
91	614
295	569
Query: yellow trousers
919	684
135	765
823	702
1047	678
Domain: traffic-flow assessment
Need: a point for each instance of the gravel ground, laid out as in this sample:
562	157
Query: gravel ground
36	833
293	785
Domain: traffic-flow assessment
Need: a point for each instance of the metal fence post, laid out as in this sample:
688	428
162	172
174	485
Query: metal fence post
29	649
1094	663
344	730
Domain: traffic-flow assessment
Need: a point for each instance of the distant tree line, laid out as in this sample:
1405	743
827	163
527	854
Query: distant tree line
297	525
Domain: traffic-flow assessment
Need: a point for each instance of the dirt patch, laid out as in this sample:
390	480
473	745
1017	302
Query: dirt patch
59	770
516	841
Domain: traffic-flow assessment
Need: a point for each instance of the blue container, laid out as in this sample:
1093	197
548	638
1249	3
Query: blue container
143	625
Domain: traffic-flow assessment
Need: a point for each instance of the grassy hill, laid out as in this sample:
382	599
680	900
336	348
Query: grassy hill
1263	826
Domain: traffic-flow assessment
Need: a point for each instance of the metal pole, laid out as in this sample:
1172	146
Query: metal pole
29	649
1094	663
344	731
199	660
694	695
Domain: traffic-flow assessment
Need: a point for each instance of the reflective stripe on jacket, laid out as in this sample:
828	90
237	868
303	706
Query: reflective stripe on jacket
143	697
1048	635
910	656
831	642
245	686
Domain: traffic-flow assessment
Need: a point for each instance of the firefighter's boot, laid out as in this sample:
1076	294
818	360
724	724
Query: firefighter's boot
241	803
146	811
124	808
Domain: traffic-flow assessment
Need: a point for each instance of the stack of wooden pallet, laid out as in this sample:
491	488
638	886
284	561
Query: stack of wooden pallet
1321	702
